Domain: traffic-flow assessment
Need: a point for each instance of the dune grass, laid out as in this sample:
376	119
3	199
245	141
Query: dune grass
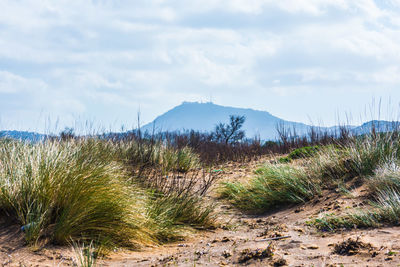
383	185
85	189
372	159
384	210
174	214
174	183
144	154
63	190
273	185
302	152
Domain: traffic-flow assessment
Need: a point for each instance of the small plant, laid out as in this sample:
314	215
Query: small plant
391	253
332	222
284	160
350	247
386	176
85	255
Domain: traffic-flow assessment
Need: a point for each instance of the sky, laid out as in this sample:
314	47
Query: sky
69	62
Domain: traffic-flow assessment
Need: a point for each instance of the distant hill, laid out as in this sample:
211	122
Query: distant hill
378	125
204	116
22	135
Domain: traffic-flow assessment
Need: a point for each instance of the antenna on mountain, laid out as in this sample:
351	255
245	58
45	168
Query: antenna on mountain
210	98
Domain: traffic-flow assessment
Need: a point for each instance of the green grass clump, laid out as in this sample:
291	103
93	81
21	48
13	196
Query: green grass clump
360	157
173	183
303	152
274	185
385	210
181	160
368	152
386	176
373	158
333	222
70	190
175	213
330	165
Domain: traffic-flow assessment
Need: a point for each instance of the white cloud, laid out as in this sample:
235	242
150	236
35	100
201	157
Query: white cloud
106	58
12	83
388	75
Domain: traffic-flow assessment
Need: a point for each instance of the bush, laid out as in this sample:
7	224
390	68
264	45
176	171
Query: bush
361	157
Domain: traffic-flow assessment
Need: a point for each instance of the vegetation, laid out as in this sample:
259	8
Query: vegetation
63	190
89	189
274	185
370	159
85	255
385	210
302	152
131	189
373	160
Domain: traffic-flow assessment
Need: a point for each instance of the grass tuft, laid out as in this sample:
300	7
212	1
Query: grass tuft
274	185
73	189
120	193
85	255
298	153
385	211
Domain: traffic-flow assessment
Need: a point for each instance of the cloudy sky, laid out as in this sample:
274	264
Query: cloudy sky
103	61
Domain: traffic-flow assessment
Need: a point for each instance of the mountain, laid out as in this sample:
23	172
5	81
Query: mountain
22	135
378	126
204	116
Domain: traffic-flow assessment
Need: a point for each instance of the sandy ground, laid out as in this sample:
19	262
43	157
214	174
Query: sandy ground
240	240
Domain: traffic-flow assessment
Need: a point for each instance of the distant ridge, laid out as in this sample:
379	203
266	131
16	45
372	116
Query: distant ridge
22	135
378	125
204	116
